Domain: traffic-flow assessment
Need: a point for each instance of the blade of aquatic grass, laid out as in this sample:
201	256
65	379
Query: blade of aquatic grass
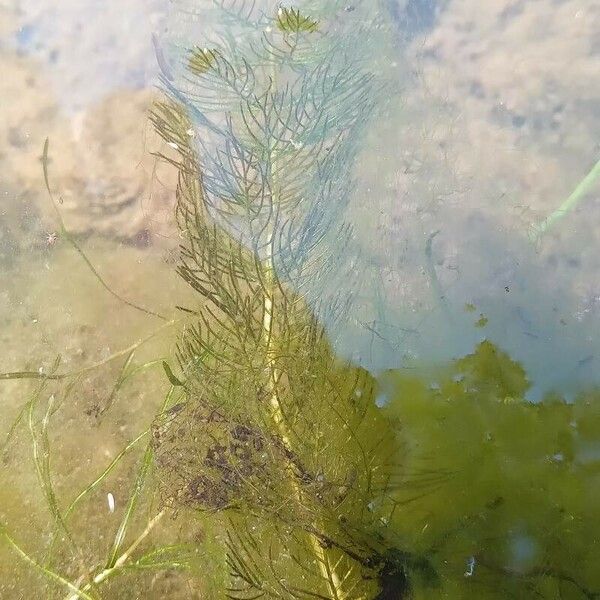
143	367
34	398
71	240
131	506
77	592
59	376
125	375
31	375
135	493
41	459
170	375
120	563
118	382
69	387
24	410
583	187
116	562
91	487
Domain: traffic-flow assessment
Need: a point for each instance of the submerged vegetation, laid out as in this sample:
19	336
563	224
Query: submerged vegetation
310	477
498	492
275	431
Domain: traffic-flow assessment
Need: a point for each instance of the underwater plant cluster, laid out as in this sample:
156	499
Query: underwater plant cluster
295	473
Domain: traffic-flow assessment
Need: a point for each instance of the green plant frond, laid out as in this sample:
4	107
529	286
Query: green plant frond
241	13
40	446
213	82
201	60
275	431
272	563
290	20
284	151
237	461
226	14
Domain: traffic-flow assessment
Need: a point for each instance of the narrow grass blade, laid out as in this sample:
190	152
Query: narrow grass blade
119	382
24	411
65	233
41	459
78	593
81	371
92	486
136	491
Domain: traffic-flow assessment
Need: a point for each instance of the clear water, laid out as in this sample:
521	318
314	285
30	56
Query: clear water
464	284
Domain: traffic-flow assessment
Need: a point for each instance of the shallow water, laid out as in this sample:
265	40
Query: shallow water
479	333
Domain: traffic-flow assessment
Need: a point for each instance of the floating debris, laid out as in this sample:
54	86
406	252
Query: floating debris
111	502
470	567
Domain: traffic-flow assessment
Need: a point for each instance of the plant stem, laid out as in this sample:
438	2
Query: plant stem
583	187
120	562
65	233
77	593
326	571
58	376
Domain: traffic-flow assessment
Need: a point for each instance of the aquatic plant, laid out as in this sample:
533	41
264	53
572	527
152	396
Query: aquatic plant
570	204
53	391
275	430
63	553
499	493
